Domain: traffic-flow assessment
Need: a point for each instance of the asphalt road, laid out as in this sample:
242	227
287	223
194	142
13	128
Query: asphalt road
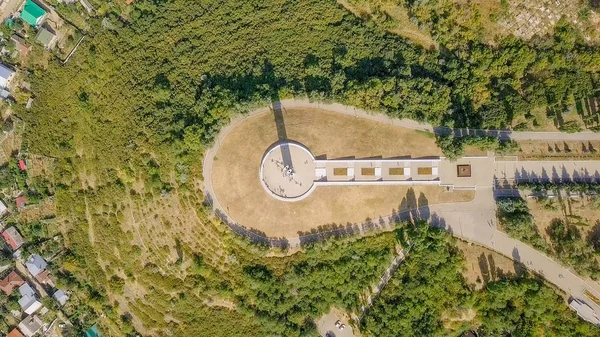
475	221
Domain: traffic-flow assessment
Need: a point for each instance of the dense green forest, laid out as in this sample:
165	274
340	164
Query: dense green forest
129	116
429	286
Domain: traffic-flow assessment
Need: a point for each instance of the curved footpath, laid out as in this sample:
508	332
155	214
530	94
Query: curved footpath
473	221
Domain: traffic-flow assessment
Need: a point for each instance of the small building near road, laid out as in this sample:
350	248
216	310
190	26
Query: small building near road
33	14
3	208
22	165
584	311
30	325
10	282
46	37
35	265
60	297
6	75
13	238
87	5
28	301
15	333
20	45
45	278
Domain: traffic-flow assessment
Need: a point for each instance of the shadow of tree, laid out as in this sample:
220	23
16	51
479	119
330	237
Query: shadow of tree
593	237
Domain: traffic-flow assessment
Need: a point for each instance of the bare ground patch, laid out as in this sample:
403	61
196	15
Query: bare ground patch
569	150
401	26
40	165
581	212
483	265
327	134
44	210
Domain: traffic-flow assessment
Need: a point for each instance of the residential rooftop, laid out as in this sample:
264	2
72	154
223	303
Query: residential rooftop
13	238
10	282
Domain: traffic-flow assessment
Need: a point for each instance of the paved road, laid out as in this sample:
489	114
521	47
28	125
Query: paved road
326	325
474	221
25	273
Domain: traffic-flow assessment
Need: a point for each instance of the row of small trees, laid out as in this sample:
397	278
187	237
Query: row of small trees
453	147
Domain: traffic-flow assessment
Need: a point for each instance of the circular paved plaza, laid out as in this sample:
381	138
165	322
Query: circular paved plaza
287	171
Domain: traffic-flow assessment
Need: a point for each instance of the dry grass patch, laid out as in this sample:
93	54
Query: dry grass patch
44	210
591	296
536	150
425	171
541	122
238	189
367	171
580	212
401	25
483	265
40	166
340	171
10	144
396	171
158	222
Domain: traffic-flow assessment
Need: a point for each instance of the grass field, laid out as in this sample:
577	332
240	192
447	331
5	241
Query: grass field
483	265
326	134
536	150
401	25
580	212
497	20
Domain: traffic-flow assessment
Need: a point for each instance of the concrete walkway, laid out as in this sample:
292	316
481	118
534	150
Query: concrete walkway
473	221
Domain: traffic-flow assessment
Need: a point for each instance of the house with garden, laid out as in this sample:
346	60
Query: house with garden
15	333
46	37
29	300
13	238
33	14
10	282
36	265
31	325
6	75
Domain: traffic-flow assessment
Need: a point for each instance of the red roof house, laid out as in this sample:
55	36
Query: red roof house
22	165
13	238
10	282
21	202
15	333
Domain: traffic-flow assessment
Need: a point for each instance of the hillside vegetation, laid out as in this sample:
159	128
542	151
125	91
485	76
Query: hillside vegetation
129	116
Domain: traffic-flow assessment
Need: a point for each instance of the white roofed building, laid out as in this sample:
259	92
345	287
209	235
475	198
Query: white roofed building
584	311
30	325
28	302
6	75
61	297
36	264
